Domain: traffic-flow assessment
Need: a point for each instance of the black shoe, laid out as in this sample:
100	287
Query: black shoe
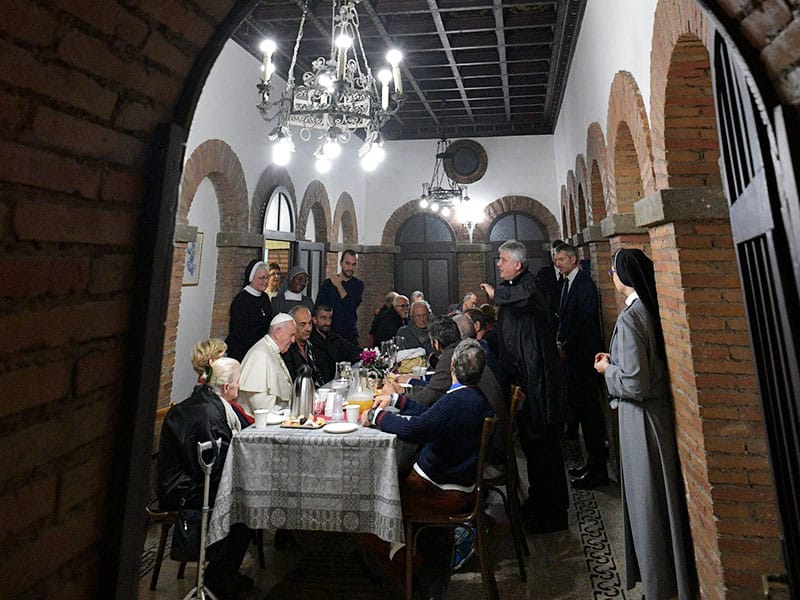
542	524
579	471
590	480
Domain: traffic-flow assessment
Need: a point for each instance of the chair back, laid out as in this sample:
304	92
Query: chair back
489	424
517	396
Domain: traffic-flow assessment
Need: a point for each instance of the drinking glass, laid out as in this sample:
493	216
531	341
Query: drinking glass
344	370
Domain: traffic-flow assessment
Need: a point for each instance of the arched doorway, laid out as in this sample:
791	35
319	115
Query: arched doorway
521	227
427	260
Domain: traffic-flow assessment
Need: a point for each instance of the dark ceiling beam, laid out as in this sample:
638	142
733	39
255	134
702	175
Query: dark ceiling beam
409	7
497	9
568	19
437	19
404	68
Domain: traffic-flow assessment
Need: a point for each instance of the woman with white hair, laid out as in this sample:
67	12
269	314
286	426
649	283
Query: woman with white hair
204	416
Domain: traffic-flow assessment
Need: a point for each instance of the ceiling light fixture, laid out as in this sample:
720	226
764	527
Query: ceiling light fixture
338	96
442	194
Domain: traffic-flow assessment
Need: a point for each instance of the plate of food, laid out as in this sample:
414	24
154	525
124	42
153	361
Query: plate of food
340	427
310	422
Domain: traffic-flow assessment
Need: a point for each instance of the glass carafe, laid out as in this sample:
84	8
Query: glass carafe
360	392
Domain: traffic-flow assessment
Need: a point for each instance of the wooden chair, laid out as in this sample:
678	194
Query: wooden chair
475	518
167	519
510	480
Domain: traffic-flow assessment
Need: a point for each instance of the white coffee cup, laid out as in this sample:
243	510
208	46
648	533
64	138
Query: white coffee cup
352	413
260	415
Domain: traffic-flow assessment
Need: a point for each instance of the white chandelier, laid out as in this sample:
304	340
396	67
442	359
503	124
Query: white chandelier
338	96
442	194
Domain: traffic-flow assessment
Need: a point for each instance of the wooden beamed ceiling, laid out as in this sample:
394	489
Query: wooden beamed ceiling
471	68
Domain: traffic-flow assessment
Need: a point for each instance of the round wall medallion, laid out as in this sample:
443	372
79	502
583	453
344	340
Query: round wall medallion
465	161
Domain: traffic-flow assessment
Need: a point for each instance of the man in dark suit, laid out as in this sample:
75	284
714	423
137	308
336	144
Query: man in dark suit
579	339
547	277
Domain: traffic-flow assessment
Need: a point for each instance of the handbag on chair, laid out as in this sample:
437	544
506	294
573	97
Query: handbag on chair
186	536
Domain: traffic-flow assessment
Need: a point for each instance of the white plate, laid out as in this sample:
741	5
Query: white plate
275	419
340	427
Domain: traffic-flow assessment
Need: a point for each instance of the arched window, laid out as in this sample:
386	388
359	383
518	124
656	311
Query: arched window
279	216
523	228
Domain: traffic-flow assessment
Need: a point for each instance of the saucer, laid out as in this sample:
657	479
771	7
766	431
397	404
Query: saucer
275	419
340	427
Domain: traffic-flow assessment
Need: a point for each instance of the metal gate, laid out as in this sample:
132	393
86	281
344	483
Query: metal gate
753	165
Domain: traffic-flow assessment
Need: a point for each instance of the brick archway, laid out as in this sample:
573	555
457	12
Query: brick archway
581	185
572	196
601	183
629	146
216	160
522	204
271	178
315	200
344	219
411	208
682	115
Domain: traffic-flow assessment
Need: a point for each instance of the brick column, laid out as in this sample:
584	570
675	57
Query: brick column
621	231
234	250
718	417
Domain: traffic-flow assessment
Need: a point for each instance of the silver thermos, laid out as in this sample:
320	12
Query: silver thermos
302	393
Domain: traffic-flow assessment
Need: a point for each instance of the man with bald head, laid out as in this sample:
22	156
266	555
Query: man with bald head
265	381
301	352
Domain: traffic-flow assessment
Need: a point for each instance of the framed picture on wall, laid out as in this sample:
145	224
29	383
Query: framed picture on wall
191	267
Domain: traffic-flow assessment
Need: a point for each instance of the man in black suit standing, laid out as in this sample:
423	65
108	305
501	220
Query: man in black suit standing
579	338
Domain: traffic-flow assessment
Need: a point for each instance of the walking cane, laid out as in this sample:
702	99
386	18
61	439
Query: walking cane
200	592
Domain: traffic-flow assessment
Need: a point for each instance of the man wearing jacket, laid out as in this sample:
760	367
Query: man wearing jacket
527	345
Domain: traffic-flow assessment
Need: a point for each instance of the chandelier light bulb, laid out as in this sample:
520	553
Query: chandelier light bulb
331	149
423	204
282	151
268	47
343	41
394	57
445	211
435	206
322	165
325	81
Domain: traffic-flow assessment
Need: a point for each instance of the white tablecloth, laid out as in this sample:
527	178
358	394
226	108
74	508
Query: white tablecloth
276	478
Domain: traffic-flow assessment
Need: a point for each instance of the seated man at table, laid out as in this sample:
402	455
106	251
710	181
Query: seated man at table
266	382
443	477
302	351
329	346
203	417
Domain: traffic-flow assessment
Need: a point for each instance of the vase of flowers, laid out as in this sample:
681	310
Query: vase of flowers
375	363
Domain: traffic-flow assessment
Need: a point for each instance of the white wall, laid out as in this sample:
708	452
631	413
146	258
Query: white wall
520	165
194	319
607	43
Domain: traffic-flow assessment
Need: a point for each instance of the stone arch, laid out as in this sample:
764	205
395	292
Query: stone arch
599	172
216	160
597	211
629	145
523	204
581	185
345	218
410	208
572	196
316	201
682	115
564	214
271	178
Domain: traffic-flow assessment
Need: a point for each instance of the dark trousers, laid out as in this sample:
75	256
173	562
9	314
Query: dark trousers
548	494
584	399
226	556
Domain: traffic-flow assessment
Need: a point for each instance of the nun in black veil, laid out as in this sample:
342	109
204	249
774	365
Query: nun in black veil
251	311
658	544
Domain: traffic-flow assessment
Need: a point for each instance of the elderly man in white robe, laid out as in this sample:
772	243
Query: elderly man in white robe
265	381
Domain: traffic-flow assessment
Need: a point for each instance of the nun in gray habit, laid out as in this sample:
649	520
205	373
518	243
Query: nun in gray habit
658	544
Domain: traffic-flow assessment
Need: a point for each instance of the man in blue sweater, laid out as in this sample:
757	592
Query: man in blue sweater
443	477
344	292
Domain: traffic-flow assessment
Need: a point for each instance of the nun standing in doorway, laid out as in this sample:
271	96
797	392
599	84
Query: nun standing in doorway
658	544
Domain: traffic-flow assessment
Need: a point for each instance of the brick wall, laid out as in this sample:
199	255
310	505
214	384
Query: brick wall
82	86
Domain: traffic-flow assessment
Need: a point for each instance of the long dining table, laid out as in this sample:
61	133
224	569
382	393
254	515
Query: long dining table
294	478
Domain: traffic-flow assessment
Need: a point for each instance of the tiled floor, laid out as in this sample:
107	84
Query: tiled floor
584	562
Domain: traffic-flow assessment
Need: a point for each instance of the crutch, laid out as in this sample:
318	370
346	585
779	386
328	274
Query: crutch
200	592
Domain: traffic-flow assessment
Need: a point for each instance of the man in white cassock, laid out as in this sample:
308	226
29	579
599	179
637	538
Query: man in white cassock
265	381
